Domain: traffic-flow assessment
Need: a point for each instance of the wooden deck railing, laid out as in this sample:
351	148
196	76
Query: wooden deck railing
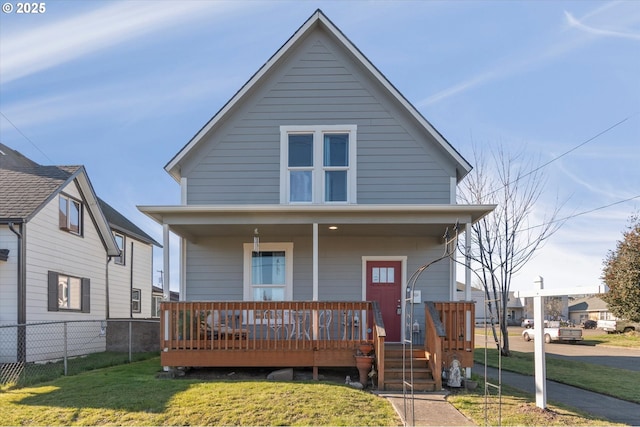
292	333
450	332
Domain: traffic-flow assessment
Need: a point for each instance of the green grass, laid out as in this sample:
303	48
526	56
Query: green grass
599	379
517	409
35	373
133	395
628	340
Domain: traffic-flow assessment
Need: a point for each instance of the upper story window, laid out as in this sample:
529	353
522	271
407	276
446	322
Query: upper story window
120	260
318	164
70	214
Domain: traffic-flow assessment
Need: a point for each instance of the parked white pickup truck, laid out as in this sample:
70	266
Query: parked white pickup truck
611	326
571	335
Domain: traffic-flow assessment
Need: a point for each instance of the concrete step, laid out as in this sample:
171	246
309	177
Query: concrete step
418	385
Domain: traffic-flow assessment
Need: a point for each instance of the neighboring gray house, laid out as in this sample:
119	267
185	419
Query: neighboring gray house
316	181
61	257
589	308
515	308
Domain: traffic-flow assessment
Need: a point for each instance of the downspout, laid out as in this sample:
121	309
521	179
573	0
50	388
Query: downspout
22	292
131	285
107	314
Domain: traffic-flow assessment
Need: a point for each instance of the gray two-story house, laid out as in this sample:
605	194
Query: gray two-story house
317	185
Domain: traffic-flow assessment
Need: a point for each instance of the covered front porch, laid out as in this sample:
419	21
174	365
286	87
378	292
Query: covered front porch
313	334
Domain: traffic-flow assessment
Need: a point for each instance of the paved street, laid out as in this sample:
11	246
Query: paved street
615	357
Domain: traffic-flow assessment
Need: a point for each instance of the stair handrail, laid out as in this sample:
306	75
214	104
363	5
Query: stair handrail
434	335
379	335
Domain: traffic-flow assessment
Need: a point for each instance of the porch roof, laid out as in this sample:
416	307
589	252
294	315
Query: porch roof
189	221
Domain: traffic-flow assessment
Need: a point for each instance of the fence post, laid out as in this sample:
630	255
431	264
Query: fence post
65	348
130	339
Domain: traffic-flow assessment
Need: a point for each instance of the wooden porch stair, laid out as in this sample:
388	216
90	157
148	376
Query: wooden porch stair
422	375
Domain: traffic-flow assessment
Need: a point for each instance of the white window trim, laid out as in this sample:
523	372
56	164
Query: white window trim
138	300
287	247
318	168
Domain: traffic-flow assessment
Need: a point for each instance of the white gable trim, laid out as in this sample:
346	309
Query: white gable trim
316	19
96	213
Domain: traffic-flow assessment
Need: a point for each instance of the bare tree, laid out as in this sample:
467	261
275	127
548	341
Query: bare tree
505	240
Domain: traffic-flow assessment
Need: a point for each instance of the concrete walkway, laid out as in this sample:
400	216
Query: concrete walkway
429	409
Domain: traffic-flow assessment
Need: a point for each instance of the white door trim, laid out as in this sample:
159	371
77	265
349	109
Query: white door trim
403	283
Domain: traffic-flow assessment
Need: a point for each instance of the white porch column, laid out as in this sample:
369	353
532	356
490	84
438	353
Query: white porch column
166	293
467	262
315	261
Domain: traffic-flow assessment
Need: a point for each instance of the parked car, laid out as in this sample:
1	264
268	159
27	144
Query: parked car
589	324
571	335
528	323
618	326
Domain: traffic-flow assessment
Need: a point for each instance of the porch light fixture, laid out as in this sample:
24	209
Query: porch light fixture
256	240
333	227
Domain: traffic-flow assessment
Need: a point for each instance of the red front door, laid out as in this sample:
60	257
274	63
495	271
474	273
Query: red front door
384	284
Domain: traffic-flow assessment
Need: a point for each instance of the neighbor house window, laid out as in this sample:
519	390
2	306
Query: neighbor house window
155	305
68	292
318	164
135	300
268	273
70	214
120	260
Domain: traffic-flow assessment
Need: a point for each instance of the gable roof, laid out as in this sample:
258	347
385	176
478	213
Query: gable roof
317	19
119	222
28	187
590	303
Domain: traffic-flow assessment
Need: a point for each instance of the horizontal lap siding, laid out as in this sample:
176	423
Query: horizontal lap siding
215	270
52	249
318	84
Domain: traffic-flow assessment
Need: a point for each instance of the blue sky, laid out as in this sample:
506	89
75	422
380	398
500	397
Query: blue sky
121	87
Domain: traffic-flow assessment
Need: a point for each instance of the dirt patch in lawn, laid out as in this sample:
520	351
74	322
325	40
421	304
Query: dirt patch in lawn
335	375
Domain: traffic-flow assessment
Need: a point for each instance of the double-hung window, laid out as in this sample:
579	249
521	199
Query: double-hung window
135	300
318	164
268	273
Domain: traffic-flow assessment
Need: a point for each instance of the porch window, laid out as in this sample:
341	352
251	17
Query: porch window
268	274
318	164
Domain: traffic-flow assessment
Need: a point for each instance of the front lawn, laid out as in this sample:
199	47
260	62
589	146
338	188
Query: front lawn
131	394
599	378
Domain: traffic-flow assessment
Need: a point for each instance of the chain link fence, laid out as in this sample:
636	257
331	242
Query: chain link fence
41	351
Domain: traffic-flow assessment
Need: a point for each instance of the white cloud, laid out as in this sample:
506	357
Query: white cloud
536	58
35	50
573	22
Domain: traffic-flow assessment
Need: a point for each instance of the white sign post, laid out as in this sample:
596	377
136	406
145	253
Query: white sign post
538	323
